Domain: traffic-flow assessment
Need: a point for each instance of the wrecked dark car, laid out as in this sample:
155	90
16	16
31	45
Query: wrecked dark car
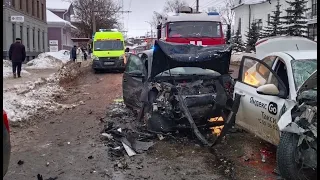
179	86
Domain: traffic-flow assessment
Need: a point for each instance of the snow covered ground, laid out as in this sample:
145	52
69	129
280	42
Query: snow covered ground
237	56
49	60
7	69
31	96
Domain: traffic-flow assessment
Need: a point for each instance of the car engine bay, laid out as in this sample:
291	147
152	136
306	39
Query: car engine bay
186	104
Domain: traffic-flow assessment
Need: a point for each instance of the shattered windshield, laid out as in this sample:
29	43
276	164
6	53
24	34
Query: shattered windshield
180	71
110	45
302	69
195	29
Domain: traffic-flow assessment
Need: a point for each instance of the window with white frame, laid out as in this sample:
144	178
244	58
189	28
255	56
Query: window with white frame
314	7
259	24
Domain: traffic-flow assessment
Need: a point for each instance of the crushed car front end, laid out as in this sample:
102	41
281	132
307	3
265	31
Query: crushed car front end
297	150
187	85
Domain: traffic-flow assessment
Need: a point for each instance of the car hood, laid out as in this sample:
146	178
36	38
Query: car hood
310	83
171	55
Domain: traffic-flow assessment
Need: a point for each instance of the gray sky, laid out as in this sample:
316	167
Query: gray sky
142	10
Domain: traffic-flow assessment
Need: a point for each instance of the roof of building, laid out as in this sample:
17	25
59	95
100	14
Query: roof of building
249	2
53	19
58	5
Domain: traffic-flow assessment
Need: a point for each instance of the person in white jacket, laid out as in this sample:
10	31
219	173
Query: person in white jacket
80	56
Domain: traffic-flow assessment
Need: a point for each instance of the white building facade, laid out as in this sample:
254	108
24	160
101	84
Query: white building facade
247	11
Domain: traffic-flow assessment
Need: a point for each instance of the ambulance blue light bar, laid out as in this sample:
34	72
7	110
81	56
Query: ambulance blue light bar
213	14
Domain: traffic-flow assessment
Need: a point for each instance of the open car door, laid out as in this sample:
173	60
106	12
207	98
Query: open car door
132	81
260	111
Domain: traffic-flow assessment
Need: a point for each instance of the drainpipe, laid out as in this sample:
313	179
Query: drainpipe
249	16
65	24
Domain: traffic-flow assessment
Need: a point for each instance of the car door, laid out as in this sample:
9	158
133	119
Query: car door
258	113
132	81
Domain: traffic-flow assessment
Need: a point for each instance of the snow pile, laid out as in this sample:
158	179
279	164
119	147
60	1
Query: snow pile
49	60
34	98
237	56
7	69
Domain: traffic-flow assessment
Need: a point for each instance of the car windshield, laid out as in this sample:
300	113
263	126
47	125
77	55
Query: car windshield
302	69
112	45
185	71
197	29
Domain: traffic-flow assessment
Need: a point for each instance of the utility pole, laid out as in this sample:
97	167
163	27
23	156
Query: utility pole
151	28
197	5
94	27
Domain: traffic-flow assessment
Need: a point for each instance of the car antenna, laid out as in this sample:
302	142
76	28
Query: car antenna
297	47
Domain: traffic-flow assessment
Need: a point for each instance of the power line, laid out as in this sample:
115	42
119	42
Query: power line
211	4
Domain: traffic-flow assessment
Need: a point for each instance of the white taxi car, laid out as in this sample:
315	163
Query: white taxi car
269	87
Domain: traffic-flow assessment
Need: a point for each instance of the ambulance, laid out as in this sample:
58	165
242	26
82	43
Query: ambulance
108	50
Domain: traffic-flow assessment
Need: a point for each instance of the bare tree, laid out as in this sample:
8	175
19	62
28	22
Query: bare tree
227	15
170	6
105	12
174	5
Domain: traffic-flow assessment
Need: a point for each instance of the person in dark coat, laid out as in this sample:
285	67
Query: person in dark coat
17	54
73	53
84	54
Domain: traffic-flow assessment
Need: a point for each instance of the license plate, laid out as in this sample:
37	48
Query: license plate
108	63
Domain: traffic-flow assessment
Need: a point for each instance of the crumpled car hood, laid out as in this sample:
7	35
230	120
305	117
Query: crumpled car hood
171	55
310	83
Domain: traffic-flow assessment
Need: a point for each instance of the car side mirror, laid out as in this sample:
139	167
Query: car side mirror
268	89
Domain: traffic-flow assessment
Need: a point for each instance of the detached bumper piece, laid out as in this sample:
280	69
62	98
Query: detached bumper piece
108	63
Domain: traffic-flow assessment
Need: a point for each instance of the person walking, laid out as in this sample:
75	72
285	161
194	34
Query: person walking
84	54
80	56
73	53
17	54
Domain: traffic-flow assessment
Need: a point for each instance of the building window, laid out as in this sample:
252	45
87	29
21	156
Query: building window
13	32
13	3
38	9
314	8
239	25
43	41
268	19
20	4
288	13
27	6
33	39
39	40
28	38
21	32
32	8
312	31
42	12
259	23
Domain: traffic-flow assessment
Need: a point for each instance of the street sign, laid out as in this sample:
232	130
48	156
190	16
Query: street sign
17	18
53	42
53	48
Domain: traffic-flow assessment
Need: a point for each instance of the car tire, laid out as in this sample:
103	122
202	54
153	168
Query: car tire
96	71
286	151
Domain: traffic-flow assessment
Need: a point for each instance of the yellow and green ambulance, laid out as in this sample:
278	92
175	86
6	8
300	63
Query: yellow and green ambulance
108	50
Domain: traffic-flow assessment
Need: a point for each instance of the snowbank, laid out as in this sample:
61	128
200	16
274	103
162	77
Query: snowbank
237	56
32	98
7	69
49	60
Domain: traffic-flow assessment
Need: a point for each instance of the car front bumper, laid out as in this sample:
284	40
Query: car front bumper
106	63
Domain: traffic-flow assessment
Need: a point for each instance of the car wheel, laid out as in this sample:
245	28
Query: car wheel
287	161
96	71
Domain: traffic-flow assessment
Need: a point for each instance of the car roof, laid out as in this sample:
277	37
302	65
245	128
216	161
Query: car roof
301	55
